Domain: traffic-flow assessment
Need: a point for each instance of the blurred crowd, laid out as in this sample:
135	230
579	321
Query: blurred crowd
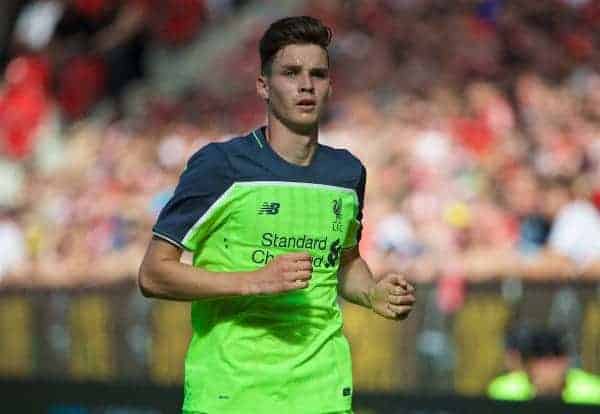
478	121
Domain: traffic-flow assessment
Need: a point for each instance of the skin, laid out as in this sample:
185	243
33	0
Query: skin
295	90
297	72
547	374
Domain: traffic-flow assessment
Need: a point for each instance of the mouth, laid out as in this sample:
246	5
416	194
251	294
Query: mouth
306	103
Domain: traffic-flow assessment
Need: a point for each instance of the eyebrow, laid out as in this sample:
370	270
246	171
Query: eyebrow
299	67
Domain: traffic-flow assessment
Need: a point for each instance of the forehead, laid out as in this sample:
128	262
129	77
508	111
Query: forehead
305	55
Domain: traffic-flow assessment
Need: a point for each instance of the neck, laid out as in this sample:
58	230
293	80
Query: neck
296	147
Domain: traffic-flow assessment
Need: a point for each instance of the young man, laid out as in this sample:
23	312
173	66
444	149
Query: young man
273	221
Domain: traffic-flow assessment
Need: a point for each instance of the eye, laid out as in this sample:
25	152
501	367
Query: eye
321	74
289	72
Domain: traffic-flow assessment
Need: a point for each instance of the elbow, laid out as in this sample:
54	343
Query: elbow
146	281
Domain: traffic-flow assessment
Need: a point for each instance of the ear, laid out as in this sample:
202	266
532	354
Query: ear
262	87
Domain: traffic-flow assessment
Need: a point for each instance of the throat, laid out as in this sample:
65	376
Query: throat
294	148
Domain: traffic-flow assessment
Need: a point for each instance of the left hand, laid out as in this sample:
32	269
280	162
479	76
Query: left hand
392	297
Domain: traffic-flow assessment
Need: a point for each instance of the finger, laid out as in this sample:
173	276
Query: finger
401	299
388	313
292	267
297	275
299	256
398	291
396	280
303	265
401	311
296	284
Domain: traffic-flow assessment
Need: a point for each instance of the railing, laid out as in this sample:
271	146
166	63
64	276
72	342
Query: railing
447	346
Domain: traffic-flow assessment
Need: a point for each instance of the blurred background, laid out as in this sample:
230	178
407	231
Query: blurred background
478	122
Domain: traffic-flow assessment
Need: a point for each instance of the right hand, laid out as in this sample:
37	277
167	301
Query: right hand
287	272
392	297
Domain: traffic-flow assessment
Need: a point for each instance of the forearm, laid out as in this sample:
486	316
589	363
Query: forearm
356	281
128	23
163	275
171	279
548	265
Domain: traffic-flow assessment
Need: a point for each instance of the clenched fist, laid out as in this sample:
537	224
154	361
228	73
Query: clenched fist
284	273
392	297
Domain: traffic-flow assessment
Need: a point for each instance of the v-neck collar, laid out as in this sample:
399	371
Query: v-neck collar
279	162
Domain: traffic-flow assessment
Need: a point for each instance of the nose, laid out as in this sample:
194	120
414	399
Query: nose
305	83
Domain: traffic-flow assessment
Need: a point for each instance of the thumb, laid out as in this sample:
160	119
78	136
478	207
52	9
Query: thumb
397	280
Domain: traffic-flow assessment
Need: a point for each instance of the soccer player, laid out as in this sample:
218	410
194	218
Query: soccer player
273	221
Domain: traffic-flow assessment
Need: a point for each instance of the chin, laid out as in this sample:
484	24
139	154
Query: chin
303	126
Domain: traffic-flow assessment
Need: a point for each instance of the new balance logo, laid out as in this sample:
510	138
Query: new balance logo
269	208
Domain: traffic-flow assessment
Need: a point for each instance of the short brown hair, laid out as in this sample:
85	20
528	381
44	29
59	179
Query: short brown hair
289	31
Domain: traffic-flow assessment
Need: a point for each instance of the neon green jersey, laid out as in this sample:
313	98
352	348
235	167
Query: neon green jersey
237	206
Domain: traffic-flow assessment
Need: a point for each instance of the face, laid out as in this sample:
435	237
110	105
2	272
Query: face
298	86
548	374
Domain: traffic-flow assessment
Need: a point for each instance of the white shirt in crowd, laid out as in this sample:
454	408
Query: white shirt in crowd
12	246
575	232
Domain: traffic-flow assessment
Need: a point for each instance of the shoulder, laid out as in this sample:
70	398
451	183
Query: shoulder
216	155
342	164
208	169
340	156
580	209
235	145
208	155
575	217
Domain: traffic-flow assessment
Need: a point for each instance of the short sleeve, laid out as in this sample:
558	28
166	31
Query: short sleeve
201	185
354	235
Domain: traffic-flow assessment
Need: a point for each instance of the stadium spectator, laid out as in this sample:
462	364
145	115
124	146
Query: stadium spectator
24	105
98	48
573	246
460	143
12	243
546	373
175	22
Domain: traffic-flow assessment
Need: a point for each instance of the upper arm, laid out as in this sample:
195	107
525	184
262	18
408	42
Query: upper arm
158	253
159	250
354	234
349	255
200	186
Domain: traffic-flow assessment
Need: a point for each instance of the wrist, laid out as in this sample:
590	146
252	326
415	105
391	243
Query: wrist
233	283
243	285
370	296
247	283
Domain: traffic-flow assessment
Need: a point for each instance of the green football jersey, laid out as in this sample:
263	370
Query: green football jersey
238	205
